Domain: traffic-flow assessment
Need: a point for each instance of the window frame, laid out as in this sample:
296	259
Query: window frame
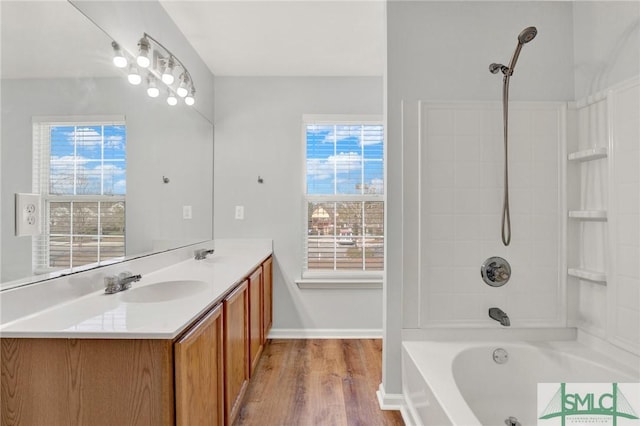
41	243
334	279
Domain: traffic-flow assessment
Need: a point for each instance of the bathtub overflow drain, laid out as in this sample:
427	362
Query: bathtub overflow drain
500	356
512	421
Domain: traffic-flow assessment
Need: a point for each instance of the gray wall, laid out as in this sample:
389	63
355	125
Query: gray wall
161	141
258	131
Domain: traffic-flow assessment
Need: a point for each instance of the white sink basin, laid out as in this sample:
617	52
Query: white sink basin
163	291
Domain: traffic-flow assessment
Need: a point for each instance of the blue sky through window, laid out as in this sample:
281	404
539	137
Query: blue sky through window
345	159
88	160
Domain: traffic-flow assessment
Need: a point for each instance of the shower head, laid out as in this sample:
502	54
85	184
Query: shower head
527	35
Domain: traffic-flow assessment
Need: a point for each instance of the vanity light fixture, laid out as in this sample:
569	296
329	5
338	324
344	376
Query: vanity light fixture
143	53
159	67
119	60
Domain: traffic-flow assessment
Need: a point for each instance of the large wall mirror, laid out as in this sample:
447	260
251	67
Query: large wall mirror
132	175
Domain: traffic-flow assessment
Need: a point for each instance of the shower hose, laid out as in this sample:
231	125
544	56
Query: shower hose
506	216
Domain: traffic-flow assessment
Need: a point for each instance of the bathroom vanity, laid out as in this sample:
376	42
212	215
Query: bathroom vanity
157	354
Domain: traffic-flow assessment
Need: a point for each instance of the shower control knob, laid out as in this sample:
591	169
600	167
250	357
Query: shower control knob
495	271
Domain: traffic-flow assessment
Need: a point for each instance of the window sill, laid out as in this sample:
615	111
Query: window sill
339	283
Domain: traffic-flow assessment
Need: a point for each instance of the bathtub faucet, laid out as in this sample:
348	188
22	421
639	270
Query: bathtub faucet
500	316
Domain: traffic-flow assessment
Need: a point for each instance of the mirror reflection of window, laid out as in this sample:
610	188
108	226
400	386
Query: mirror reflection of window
80	172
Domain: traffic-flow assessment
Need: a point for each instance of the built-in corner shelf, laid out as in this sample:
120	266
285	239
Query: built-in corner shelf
589	275
589	154
596	215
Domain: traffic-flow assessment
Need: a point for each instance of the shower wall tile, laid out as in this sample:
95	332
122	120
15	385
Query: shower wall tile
625	283
461	205
611	311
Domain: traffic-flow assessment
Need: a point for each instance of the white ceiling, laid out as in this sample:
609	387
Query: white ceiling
284	38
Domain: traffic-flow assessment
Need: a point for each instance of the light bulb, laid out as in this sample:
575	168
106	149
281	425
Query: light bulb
152	89
143	61
134	76
182	90
190	100
118	57
167	73
143	55
172	100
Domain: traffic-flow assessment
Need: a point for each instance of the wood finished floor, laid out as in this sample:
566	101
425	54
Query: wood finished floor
317	382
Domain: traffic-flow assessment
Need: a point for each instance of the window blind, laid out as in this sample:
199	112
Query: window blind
344	198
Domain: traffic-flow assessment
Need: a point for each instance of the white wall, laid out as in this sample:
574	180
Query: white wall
607	52
440	51
623	322
606	39
161	141
258	132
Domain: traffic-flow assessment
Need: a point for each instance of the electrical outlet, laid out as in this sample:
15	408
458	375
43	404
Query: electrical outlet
27	214
240	212
186	212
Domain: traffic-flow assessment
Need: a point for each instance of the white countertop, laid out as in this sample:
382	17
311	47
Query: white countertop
98	315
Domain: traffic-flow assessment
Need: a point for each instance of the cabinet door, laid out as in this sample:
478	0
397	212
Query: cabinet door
236	349
74	382
267	298
199	373
255	318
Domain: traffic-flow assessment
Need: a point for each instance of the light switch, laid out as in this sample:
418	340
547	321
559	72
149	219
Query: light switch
27	214
240	212
186	212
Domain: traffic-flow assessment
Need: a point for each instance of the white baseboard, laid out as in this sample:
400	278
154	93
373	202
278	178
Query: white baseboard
389	401
324	333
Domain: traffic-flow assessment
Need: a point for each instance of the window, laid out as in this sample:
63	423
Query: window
344	197
80	172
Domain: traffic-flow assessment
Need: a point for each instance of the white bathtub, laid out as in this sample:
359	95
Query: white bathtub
459	383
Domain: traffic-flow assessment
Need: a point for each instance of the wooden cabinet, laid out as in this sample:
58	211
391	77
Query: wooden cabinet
199	374
236	349
198	379
255	318
267	298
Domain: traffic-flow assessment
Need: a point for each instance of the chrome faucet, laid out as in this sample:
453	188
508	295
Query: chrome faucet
120	282
202	253
500	316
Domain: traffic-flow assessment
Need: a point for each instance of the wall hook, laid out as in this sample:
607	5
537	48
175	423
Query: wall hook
165	179
260	180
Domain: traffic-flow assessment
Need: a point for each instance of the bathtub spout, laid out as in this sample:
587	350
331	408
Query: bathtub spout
500	316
